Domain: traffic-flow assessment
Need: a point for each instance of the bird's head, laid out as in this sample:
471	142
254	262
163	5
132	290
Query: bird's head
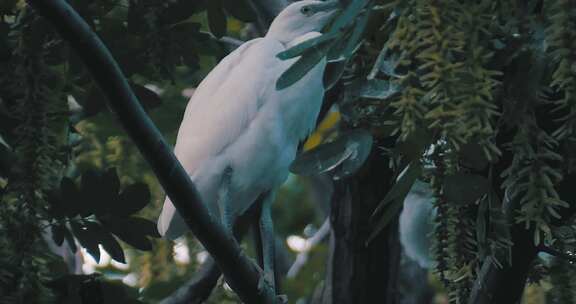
302	17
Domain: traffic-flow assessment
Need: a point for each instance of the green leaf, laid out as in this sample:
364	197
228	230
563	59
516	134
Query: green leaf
6	6
56	208
133	231
87	238
482	228
90	234
333	73
337	49
99	195
110	244
414	146
346	49
216	18
7	158
177	11
389	65
394	199
241	10
348	152
71	202
356	36
302	66
302	47
360	143
3	143
137	241
343	20
378	89
57	234
349	14
472	156
93	101
402	186
463	188
142	225
109	186
133	199
148	99
8	123
90	194
99	192
320	159
70	240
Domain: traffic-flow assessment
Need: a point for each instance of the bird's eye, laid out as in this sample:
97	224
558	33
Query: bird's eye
306	10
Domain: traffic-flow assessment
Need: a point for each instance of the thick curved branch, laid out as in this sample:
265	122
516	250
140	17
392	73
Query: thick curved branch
240	273
504	285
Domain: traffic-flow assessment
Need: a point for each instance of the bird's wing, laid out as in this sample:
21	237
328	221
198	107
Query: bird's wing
227	100
222	107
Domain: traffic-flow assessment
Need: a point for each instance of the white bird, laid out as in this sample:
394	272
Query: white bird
417	224
239	133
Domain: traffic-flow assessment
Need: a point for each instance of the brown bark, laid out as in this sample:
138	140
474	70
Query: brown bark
360	272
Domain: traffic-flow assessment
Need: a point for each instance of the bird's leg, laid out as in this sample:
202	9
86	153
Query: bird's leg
257	234
224	199
267	237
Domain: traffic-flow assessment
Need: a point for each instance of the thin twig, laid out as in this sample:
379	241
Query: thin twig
302	257
232	41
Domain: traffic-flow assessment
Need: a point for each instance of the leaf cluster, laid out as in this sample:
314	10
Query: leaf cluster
97	213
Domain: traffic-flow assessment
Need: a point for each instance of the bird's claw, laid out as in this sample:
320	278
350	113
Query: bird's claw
257	266
265	285
265	282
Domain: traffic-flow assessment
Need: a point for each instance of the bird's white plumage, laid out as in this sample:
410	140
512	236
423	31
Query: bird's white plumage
238	120
417	224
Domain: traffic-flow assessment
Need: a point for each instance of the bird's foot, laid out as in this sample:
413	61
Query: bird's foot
265	282
262	281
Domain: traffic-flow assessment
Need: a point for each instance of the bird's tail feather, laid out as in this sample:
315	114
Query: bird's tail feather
170	223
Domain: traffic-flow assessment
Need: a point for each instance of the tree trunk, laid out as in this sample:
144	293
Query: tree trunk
360	273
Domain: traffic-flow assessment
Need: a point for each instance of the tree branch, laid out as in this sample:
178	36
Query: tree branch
311	242
504	285
240	272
